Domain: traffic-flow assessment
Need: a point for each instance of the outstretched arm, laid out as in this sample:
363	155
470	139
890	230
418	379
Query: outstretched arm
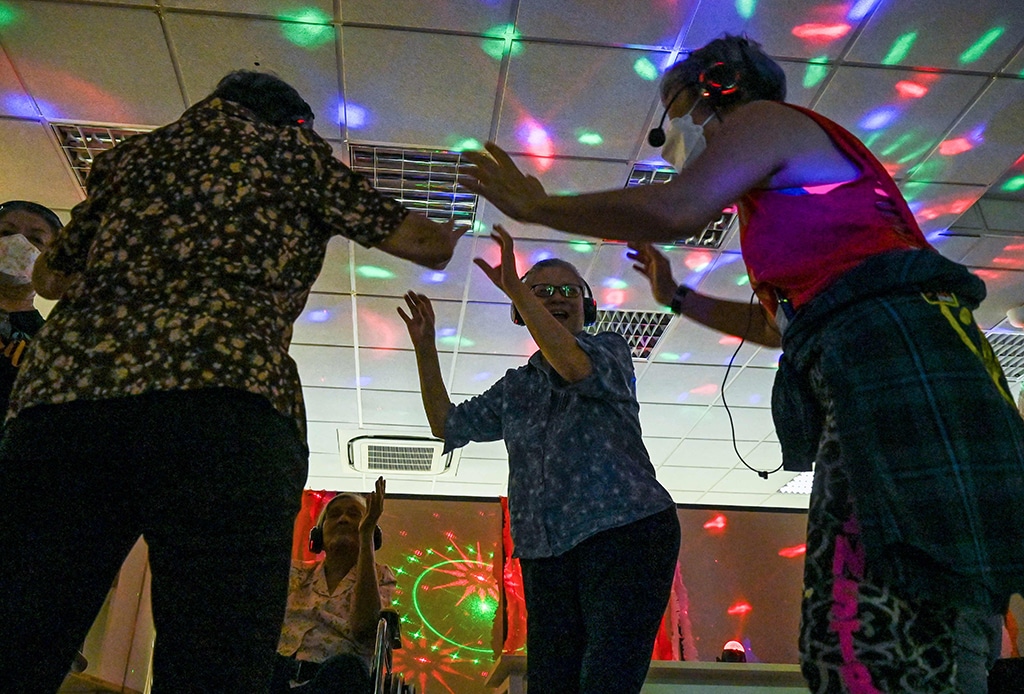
422	241
731	317
557	344
366	593
420	323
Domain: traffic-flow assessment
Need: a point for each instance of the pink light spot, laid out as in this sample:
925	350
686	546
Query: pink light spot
706	389
716	523
740	608
729	340
698	260
794	551
614	297
891	168
959	145
823	189
821	32
910	90
988	275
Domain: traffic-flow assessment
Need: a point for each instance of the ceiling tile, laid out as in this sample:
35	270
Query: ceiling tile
900	115
33	168
701	453
648	22
680	383
689	478
380	325
741	423
475	373
435	103
331	405
453	15
581	101
750	387
482	471
394	369
70	73
941	34
488	329
391	407
303	11
937	206
326	320
325	367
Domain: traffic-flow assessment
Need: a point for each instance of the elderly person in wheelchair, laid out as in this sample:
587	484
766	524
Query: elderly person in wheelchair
334	604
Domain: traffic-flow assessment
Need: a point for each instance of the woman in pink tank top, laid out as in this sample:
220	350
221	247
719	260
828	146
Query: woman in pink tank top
886	386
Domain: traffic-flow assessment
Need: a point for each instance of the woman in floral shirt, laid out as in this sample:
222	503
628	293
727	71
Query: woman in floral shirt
160	400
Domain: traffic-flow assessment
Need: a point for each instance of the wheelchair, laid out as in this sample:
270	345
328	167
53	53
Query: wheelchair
388	639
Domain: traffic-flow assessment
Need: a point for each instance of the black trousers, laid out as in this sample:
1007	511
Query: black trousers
593	613
211	478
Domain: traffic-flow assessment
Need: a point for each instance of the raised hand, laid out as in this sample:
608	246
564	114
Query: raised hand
420	319
495	176
504	275
374	508
653	265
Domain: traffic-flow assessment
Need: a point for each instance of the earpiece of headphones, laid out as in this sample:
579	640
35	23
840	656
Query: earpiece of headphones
589	307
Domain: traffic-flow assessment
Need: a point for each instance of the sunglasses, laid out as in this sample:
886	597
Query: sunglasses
569	291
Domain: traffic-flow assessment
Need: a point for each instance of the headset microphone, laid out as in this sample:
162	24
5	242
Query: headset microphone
656	138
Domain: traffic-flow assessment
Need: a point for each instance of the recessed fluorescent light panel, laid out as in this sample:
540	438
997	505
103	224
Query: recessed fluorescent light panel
713	235
80	143
642	329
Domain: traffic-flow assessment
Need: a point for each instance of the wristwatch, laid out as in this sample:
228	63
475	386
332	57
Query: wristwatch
682	291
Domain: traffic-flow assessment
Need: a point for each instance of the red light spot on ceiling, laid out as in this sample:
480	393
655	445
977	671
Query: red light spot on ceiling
950	148
698	260
730	340
794	551
821	32
706	389
910	90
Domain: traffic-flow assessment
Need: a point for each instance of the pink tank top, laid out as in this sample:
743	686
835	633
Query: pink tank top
797	241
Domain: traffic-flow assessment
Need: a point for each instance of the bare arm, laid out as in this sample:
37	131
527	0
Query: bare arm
745	320
49	283
422	241
420	323
366	593
557	344
738	159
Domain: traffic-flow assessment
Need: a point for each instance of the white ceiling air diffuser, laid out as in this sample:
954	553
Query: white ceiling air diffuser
403	455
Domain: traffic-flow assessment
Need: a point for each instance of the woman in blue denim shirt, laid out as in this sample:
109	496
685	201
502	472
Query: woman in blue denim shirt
596	534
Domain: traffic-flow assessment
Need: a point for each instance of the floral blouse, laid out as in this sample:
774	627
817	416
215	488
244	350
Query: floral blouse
197	247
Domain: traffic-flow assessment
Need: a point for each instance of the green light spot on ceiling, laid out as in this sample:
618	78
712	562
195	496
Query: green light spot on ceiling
8	15
1013	185
581	246
500	39
746	8
980	46
456	341
891	148
616	283
467	144
668	356
920	151
870	140
742	281
374	273
586	137
900	48
307	27
646	69
816	71
479	227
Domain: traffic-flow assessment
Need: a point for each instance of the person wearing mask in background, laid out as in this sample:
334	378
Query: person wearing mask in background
596	534
26	230
334	603
159	398
916	522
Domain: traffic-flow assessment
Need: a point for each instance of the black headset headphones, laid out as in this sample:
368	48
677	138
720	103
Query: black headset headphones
719	83
316	533
589	307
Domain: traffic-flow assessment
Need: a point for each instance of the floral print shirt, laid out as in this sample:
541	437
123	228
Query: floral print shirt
577	464
197	247
316	623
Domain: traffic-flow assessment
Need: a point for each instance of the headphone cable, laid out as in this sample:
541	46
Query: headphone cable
763	474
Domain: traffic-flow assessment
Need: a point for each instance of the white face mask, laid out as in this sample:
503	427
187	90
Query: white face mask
17	256
684	140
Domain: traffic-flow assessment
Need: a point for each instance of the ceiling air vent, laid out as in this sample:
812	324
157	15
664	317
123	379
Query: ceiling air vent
1009	350
642	329
423	180
713	235
80	143
406	455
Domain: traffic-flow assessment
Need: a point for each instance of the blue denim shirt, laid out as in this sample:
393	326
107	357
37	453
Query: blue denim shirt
577	462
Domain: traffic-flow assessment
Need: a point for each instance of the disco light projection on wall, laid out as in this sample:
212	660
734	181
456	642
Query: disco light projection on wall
981	46
716	524
794	551
319	316
1013	185
910	90
740	609
821	33
501	38
900	49
879	118
646	69
859	10
307	27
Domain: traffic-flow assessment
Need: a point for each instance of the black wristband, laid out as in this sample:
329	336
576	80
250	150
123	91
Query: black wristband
682	291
